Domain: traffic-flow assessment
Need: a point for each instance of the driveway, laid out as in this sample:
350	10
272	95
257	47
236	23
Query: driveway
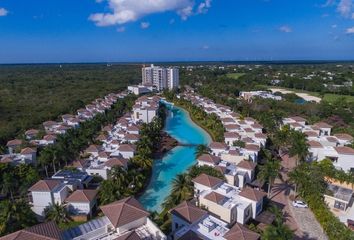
308	224
301	221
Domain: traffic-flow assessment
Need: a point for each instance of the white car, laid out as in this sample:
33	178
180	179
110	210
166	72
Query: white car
299	204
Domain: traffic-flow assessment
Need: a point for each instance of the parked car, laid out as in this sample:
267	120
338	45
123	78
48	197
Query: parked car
299	204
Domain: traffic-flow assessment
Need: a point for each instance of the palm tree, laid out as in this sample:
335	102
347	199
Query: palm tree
9	184
278	231
119	176
44	159
182	188
269	171
109	192
299	147
15	215
202	149
142	161
57	213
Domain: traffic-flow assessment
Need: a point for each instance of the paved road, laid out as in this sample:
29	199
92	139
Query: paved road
301	221
308	224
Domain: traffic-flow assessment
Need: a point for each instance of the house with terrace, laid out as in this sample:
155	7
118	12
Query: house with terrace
227	202
123	219
323	145
191	222
82	202
46	193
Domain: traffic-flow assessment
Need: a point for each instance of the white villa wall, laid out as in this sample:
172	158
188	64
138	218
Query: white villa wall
41	200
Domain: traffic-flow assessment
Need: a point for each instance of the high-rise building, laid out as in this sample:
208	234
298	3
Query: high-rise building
160	77
172	78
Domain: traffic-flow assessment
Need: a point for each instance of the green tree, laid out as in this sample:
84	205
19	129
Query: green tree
202	149
15	215
182	187
57	212
299	146
269	171
278	230
9	184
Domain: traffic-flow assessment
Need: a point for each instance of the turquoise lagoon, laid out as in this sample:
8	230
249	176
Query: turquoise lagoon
178	160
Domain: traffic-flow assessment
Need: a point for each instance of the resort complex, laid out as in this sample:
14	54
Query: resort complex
163	161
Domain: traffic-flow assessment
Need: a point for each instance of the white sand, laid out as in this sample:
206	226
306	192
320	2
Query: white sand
305	96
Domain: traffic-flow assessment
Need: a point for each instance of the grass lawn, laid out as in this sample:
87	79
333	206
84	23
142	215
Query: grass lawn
328	97
235	75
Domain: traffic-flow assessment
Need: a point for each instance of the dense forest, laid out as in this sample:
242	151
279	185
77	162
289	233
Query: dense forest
32	94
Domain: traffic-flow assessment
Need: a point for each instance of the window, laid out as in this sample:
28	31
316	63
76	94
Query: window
339	205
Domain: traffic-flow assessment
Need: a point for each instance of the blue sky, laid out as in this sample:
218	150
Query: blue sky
175	30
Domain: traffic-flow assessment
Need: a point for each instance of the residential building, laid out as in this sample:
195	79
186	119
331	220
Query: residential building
123	219
227	202
82	202
46	193
160	77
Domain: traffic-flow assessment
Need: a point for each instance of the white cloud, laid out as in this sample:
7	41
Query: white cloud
144	25
206	47
204	6
124	11
334	26
3	12
285	29
121	29
350	30
186	12
345	7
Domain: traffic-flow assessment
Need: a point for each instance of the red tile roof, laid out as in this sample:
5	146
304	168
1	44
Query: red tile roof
28	150
240	232
49	137
252	194
117	162
231	135
215	197
127	148
247	165
86	195
298	119
188	212
345	150
124	211
31	132
323	125
129	236
44	185
43	231
218	145
344	136
252	147
209	158
207	180
15	142
315	144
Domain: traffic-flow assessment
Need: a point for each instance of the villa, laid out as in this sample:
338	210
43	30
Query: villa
145	109
229	203
123	219
323	145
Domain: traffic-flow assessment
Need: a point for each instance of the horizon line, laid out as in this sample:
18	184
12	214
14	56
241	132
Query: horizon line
186	61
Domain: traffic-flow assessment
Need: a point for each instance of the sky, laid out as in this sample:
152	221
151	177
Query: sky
53	31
